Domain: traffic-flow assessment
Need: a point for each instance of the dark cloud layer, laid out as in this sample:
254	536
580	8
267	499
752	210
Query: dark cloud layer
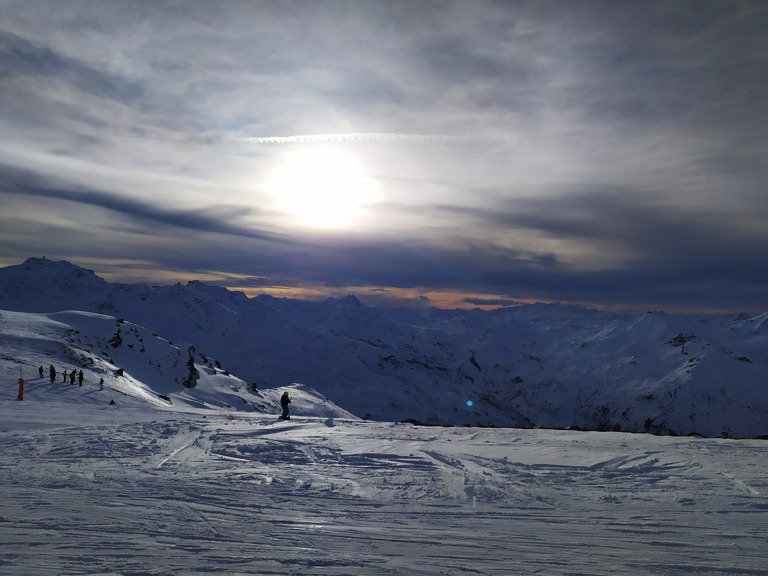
218	219
607	153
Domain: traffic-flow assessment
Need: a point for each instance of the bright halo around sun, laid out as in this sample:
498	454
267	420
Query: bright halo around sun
322	187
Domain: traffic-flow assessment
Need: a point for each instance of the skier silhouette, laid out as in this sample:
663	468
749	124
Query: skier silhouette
284	401
52	373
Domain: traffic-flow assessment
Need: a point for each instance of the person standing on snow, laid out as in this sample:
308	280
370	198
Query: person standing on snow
80	377
52	373
284	401
41	371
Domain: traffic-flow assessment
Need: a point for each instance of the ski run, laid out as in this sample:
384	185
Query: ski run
91	488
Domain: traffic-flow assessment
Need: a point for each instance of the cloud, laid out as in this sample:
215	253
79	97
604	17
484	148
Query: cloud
351	137
573	151
492	301
23	58
218	219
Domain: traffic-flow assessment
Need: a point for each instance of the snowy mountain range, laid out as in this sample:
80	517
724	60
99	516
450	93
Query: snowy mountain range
204	347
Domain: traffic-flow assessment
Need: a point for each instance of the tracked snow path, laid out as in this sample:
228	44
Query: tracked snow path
106	492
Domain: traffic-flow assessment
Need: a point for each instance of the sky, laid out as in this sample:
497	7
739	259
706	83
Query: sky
453	154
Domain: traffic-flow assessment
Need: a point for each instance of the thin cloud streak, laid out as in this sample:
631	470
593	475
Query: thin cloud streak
349	137
345	137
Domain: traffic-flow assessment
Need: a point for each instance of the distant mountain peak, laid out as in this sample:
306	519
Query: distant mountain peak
349	301
42	264
41	284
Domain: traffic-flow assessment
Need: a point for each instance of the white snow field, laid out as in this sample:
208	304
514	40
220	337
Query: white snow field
133	489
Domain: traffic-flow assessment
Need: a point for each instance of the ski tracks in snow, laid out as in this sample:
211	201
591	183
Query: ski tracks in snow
245	496
182	438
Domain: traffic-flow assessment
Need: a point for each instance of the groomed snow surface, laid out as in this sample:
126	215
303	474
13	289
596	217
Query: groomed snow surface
137	489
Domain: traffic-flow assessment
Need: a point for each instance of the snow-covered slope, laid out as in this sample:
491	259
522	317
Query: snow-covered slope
131	366
535	365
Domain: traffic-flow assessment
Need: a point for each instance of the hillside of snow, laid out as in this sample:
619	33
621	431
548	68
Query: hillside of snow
539	365
129	365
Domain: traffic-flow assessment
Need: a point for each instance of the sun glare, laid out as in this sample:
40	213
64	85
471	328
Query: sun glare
322	188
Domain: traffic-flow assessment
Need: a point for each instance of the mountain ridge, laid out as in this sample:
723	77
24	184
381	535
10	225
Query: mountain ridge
549	365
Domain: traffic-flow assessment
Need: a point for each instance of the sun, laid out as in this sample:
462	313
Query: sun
322	187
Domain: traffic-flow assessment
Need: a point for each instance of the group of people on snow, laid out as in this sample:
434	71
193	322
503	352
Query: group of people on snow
71	376
285	400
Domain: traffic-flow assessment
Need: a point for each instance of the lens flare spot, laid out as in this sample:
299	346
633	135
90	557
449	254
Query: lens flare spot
469	402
